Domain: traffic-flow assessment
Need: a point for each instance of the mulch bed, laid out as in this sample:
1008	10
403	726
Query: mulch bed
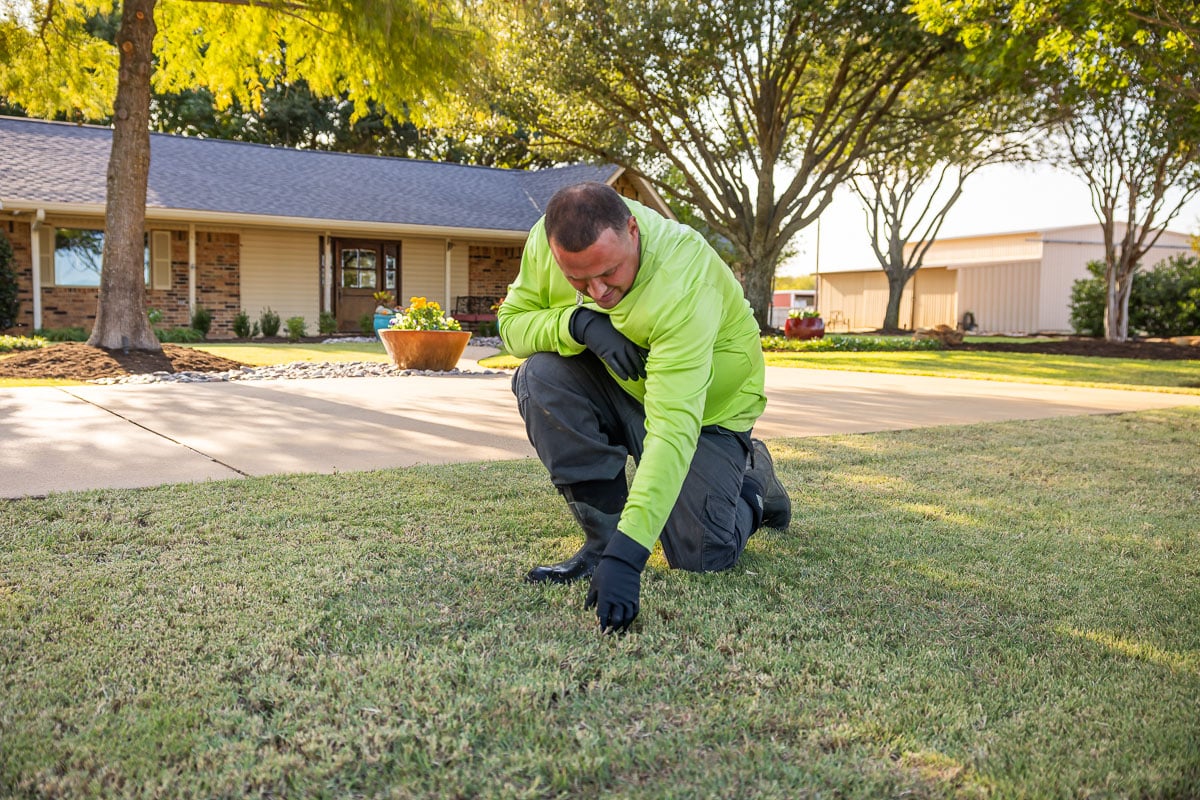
1100	348
78	361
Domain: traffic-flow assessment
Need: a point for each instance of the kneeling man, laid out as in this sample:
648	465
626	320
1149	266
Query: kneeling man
639	341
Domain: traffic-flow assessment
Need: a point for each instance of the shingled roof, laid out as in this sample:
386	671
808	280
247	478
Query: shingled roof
64	166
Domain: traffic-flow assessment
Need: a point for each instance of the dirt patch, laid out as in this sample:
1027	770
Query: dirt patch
1157	350
78	361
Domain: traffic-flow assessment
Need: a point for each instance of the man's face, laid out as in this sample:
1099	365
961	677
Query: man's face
605	270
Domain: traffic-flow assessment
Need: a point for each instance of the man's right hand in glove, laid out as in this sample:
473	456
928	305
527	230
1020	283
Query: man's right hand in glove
595	331
616	587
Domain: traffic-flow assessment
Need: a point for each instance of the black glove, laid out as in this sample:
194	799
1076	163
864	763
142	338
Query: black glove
617	584
596	332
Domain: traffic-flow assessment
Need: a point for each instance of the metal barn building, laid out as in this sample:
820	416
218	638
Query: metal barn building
1009	282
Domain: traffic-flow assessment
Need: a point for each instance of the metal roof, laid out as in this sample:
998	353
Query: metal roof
62	164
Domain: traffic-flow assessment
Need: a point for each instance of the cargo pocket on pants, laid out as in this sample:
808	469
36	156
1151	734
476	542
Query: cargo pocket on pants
720	540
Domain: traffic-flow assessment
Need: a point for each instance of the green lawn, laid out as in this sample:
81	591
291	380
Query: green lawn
1177	376
1173	376
1113	373
1008	610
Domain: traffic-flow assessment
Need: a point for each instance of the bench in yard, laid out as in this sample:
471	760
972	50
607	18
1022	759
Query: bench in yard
473	310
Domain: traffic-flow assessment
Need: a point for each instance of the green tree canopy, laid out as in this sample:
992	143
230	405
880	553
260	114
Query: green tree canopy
750	112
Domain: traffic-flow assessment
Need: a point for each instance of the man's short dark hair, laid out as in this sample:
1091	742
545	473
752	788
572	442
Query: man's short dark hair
577	215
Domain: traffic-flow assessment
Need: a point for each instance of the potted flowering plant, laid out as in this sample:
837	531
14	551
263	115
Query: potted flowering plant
804	323
423	337
385	307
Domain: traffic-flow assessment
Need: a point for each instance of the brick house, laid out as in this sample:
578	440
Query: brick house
234	226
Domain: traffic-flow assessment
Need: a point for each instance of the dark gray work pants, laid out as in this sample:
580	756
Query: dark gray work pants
583	426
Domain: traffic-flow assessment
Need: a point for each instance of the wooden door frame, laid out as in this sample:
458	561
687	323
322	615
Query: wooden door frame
383	248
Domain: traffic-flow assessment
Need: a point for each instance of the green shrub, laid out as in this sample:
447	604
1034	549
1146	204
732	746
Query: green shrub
202	320
154	315
1087	302
11	344
178	335
366	323
1166	300
9	304
268	320
327	323
849	344
72	334
295	329
1162	302
241	325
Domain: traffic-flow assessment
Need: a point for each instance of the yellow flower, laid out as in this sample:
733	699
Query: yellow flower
423	315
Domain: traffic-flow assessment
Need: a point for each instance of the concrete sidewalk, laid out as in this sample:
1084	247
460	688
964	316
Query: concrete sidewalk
85	437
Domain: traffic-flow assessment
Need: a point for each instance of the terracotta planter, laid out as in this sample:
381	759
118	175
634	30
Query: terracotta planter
434	350
804	328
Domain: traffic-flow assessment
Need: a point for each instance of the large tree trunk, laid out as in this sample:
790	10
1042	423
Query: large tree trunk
896	279
1116	313
121	320
757	283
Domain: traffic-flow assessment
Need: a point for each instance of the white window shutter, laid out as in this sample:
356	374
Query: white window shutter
46	255
160	259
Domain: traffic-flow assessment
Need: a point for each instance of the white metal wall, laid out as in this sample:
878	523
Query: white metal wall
986	249
1062	265
1066	254
281	270
1003	297
858	300
935	292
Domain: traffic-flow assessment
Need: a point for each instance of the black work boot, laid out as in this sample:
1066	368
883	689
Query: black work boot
598	529
776	505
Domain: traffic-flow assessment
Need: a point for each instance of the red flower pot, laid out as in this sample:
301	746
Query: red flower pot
804	328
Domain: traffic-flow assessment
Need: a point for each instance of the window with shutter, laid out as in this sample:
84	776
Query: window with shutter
73	257
45	236
160	259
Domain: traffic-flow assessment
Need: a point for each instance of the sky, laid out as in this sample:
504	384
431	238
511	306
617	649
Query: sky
996	199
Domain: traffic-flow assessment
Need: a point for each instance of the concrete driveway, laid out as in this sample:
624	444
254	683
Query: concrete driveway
87	437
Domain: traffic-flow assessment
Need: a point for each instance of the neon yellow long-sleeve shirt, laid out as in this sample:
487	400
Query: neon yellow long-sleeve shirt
705	365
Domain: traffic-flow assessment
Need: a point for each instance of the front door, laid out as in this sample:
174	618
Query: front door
364	267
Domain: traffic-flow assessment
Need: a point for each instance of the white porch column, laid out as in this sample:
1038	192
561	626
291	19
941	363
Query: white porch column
327	259
449	304
35	258
192	268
